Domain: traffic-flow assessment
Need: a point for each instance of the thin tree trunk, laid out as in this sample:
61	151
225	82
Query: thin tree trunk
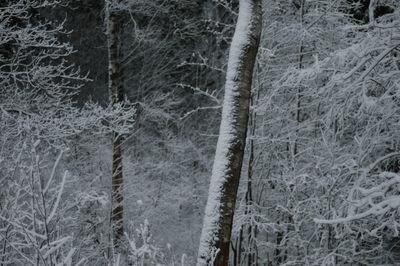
236	249
238	258
299	89
114	29
250	171
216	234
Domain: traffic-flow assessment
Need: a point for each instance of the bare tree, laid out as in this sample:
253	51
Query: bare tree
115	83
216	234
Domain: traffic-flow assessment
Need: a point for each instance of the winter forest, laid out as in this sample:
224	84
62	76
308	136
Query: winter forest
199	132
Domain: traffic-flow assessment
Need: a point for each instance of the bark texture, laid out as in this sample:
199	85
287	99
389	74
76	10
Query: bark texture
217	226
114	29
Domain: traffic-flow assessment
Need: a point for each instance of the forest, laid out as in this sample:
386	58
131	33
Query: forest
199	132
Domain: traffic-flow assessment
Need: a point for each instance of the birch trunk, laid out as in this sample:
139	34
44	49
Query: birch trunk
114	28
216	233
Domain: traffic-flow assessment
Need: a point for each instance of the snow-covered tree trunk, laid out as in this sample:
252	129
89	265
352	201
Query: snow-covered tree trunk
114	28
216	233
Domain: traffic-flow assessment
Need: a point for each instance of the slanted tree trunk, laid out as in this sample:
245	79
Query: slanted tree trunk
216	233
114	29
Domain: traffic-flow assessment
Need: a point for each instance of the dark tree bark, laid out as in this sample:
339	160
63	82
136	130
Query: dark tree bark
114	29
216	234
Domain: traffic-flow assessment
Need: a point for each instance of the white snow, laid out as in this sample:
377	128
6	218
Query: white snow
240	39
60	191
373	201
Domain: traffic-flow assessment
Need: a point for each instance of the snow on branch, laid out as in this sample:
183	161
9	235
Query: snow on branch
376	200
207	93
57	202
203	108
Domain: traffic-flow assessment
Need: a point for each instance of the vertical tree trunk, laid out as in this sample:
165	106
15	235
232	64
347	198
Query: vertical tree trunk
216	233
299	88
250	170
114	29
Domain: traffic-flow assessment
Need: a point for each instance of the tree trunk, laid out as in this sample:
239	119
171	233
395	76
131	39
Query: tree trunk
216	234
114	29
